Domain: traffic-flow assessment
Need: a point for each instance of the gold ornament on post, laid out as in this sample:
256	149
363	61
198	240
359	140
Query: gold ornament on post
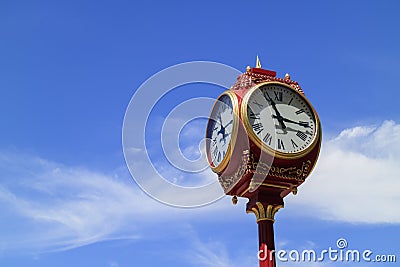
258	63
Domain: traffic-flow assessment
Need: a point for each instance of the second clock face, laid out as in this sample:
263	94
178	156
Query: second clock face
280	118
221	130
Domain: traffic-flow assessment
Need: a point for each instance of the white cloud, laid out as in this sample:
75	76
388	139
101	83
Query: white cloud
214	253
356	178
49	206
163	170
211	254
182	144
113	264
46	206
55	207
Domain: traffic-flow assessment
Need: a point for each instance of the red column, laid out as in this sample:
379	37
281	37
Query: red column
264	204
266	243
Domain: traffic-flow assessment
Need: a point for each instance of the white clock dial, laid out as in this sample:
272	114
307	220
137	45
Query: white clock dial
281	118
219	131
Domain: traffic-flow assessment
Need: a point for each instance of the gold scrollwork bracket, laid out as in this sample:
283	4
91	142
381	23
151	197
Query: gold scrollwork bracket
265	213
228	182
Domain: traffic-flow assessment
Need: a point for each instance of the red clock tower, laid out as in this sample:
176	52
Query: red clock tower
263	140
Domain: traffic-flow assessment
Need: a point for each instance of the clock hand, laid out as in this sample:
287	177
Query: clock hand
222	130
278	115
269	99
304	124
287	129
224	138
228	124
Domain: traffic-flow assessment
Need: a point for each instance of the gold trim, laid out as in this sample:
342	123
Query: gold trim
299	173
234	200
261	209
265	215
259	143
295	190
318	150
265	184
293	172
228	182
276	185
235	127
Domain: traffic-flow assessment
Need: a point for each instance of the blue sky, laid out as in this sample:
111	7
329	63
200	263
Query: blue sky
69	69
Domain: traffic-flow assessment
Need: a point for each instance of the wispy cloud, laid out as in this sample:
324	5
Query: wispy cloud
357	177
49	206
57	207
46	206
214	253
113	264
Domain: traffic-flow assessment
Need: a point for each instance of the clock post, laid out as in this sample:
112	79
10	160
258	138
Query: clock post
263	142
264	204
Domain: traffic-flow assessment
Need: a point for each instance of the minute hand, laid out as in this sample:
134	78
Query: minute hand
266	95
301	123
278	115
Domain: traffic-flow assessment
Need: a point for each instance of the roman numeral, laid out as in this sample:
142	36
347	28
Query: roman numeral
304	123
258	127
278	96
281	145
293	143
223	107
300	111
219	156
258	104
268	138
266	96
254	116
301	135
215	153
290	102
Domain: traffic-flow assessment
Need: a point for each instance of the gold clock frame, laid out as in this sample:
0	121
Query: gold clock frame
259	143
235	126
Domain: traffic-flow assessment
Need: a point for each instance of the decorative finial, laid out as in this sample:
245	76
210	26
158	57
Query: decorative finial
248	69
294	190
234	200
287	76
258	63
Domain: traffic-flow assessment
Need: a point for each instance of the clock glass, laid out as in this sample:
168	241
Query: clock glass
279	119
221	131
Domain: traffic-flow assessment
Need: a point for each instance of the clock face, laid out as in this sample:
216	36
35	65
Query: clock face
279	119
221	129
